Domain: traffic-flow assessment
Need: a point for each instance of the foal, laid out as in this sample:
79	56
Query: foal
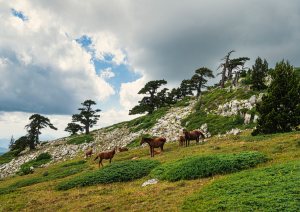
122	149
106	155
89	153
154	143
181	140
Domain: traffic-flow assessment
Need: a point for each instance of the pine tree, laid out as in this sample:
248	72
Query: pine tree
87	115
280	109
73	128
11	143
259	72
198	81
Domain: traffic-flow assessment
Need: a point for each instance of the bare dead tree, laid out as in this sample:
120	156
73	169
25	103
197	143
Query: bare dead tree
224	65
237	74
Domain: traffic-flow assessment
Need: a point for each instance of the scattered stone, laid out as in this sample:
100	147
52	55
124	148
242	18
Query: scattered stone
150	182
247	118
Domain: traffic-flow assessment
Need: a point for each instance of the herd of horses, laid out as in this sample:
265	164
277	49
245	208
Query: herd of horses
153	143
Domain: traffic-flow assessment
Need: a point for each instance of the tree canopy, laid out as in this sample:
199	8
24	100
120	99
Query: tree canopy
280	109
198	80
73	128
87	115
152	102
258	74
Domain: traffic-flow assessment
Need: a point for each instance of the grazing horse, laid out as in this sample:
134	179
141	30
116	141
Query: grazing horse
154	143
123	149
181	140
106	155
89	153
194	135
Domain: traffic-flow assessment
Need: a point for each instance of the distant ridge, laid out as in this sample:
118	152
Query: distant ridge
3	150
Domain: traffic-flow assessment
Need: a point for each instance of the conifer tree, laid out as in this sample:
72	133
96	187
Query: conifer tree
280	109
73	128
147	104
198	79
87	116
259	72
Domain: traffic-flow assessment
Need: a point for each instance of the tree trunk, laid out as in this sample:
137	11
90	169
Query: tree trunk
229	73
87	126
31	146
223	77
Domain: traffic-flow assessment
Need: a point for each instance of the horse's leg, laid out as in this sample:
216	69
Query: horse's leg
100	162
110	160
152	151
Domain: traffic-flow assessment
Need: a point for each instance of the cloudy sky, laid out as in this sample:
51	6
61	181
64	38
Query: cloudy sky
56	54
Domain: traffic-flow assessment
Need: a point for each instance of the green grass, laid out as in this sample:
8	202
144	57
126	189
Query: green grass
274	188
136	142
206	165
183	103
114	172
8	156
43	158
215	124
148	121
53	174
81	139
265	137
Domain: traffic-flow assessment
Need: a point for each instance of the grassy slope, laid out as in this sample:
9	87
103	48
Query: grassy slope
131	195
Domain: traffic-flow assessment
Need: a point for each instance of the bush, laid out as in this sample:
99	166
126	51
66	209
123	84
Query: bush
42	156
114	172
53	174
136	142
8	156
7	190
206	165
274	188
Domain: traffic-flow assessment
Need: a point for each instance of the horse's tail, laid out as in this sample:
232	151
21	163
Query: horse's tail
95	158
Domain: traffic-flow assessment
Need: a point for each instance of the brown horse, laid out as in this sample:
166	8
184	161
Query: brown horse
122	149
89	153
106	155
181	140
154	143
194	135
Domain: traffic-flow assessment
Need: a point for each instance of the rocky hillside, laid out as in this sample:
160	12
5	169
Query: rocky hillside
168	123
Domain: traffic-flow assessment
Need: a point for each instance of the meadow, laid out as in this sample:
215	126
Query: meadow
240	187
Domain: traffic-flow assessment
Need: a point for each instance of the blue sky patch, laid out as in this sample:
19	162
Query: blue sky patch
19	14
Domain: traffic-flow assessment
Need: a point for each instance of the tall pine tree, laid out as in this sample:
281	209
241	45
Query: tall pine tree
259	72
280	109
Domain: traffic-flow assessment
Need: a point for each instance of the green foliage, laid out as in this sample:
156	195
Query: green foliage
274	188
265	137
243	73
87	116
81	139
8	156
114	172
44	143
215	124
53	174
149	104
7	190
136	142
43	156
280	109
259	72
206	165
20	144
148	121
74	128
183	103
198	80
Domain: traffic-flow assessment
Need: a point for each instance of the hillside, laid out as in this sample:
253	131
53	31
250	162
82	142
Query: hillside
68	182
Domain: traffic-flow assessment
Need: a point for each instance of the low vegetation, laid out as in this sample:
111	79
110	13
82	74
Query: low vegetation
206	165
81	139
114	172
43	158
8	156
274	188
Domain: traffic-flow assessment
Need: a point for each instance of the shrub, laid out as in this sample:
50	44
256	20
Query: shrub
206	165
44	143
274	188
8	156
53	174
114	172
42	156
7	190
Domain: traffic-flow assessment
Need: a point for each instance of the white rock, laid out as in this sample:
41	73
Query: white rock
247	118
149	182
255	118
252	100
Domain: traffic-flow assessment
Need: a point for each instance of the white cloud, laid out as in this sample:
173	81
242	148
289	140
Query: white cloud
8	118
129	96
107	73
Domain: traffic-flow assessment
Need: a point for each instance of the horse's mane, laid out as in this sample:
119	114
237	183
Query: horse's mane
148	139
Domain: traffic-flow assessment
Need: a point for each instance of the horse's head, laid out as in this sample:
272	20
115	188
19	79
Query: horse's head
187	134
116	151
142	141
